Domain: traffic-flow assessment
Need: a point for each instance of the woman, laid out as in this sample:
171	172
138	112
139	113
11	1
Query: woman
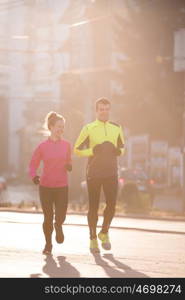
55	152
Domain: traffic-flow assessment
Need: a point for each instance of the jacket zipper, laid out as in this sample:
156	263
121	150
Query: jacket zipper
105	129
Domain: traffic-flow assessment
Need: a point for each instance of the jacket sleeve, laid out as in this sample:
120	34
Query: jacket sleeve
121	141
35	162
82	147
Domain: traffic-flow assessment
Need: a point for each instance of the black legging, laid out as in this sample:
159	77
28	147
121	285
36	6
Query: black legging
51	198
110	187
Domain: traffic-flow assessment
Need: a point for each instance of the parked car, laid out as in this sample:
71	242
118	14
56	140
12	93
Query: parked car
135	176
142	181
3	183
3	186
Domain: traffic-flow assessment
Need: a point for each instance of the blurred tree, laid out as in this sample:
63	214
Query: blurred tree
153	92
73	97
3	134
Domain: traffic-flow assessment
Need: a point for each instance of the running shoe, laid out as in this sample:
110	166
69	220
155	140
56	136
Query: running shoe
94	246
47	249
59	234
104	238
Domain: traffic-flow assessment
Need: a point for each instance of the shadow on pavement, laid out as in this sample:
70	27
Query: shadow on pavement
119	269
58	267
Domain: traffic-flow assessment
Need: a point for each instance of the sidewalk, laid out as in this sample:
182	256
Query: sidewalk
130	223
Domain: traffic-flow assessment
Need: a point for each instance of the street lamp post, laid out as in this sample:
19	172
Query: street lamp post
179	66
183	148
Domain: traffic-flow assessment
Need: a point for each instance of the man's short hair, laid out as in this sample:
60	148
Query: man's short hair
103	100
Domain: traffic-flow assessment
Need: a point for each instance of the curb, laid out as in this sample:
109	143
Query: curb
132	216
113	227
134	228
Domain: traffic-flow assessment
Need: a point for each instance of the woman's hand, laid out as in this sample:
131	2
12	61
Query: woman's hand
68	167
36	179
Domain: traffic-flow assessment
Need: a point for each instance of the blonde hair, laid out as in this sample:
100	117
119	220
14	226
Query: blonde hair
51	118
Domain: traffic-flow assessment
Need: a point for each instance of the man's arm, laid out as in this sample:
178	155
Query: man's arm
82	147
121	142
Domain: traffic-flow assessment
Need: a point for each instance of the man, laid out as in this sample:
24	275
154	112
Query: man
101	141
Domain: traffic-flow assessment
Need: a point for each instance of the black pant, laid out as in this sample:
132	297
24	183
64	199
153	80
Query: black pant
53	200
110	187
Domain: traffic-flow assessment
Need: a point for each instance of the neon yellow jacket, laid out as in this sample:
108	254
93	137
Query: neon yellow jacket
98	132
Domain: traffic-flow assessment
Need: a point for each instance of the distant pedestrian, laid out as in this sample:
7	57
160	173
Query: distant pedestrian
55	153
101	141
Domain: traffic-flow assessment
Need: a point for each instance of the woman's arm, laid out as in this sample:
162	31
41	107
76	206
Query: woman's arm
35	162
68	164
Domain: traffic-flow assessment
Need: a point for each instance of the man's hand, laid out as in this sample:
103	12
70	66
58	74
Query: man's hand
36	179
117	151
68	167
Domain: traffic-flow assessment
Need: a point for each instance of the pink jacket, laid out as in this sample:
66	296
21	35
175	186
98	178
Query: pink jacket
55	155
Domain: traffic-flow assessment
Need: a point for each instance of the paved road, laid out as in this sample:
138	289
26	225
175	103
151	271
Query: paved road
140	252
